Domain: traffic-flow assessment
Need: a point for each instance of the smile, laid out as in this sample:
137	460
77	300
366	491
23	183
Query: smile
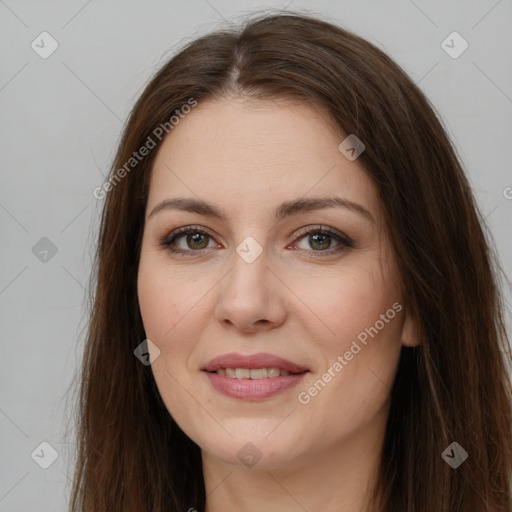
252	373
243	384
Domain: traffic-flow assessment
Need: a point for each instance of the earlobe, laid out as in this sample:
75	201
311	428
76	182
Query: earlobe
410	334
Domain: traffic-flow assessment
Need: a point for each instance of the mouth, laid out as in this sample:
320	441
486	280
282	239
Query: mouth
253	377
255	373
265	365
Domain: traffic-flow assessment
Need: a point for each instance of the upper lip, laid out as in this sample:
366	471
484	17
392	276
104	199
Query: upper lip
261	360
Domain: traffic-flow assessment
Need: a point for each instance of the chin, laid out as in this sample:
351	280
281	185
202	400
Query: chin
255	452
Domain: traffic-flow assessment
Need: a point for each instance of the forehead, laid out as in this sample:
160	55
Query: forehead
263	151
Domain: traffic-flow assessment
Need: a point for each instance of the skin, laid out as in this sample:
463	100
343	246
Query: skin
246	157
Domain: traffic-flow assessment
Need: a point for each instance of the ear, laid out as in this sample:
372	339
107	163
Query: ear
410	333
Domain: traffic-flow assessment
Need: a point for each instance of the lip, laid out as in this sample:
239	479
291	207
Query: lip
253	389
249	389
252	361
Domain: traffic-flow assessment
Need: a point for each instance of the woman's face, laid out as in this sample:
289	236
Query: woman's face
260	281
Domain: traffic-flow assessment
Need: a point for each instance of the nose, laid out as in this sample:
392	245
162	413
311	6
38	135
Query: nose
250	297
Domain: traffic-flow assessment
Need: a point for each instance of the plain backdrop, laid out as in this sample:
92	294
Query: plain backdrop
61	117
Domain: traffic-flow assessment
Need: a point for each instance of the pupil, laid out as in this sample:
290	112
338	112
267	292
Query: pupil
322	236
196	238
317	239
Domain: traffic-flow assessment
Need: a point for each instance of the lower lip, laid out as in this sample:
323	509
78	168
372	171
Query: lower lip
253	389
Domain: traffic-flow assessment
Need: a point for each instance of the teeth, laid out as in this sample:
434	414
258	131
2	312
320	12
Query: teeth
274	372
260	373
243	373
256	373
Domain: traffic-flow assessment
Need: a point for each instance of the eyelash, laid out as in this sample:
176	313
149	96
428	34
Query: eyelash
345	241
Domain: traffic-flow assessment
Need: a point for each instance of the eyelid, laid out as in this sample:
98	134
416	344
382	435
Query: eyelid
321	228
169	238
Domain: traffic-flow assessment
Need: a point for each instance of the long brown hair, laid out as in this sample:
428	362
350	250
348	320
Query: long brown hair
453	387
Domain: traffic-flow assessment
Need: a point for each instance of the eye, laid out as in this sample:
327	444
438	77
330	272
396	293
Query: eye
195	240
320	238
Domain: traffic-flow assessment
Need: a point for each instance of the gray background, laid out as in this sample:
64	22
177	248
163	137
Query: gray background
60	121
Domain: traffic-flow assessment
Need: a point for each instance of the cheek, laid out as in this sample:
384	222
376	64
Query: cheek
164	302
346	303
164	307
162	315
361	322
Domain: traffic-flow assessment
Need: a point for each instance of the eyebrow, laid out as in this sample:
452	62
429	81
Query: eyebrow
285	209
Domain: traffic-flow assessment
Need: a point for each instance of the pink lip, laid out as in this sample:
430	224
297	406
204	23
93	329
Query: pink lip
253	389
261	360
249	389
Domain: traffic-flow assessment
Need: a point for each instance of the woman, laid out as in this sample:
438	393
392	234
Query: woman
296	306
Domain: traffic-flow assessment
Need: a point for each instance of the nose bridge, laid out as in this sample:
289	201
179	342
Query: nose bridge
248	276
247	294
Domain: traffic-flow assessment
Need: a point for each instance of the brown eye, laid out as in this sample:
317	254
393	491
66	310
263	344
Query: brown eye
195	240
320	239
